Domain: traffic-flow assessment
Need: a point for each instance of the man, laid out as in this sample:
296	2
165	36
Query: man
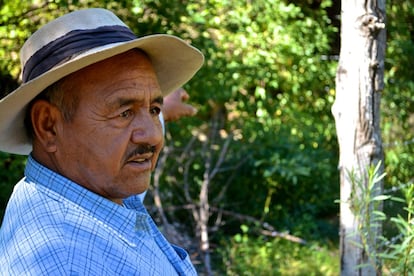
88	114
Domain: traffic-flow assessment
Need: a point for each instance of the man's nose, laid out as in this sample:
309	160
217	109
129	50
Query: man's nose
147	129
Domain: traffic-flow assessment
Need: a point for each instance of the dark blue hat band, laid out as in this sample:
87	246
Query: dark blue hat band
72	43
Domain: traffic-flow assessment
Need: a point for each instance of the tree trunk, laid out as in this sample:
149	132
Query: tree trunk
359	81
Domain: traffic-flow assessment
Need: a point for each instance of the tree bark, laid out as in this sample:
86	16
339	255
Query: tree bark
356	110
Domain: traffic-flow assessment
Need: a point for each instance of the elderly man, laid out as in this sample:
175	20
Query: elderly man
88	113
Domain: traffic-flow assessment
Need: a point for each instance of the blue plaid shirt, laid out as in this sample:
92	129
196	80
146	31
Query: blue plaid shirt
53	226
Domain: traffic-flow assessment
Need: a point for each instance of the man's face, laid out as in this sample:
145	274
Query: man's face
113	142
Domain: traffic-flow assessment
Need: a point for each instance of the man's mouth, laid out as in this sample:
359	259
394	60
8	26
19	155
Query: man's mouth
139	160
142	158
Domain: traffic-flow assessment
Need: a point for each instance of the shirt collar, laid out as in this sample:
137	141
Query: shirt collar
123	220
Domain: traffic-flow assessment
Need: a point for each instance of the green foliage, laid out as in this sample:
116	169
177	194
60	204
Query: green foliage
398	252
393	255
267	77
398	98
366	203
250	255
398	108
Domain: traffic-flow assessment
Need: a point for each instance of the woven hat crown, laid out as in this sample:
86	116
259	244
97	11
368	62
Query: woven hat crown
68	36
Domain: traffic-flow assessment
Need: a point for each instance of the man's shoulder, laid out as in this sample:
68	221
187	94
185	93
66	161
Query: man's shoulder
36	251
29	215
39	234
33	219
33	204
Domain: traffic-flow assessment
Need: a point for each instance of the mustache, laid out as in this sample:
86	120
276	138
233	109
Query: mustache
141	149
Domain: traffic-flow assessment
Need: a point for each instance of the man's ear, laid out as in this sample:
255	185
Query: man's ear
45	117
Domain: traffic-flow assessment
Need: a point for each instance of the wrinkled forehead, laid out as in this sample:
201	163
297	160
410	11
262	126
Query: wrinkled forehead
128	75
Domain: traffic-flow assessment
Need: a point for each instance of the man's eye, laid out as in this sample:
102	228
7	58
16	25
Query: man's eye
155	110
126	114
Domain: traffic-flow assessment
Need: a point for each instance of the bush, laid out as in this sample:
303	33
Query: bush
251	255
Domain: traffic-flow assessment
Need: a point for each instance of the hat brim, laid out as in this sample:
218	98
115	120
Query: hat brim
175	62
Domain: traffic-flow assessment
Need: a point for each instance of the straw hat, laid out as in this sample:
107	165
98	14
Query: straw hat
79	39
